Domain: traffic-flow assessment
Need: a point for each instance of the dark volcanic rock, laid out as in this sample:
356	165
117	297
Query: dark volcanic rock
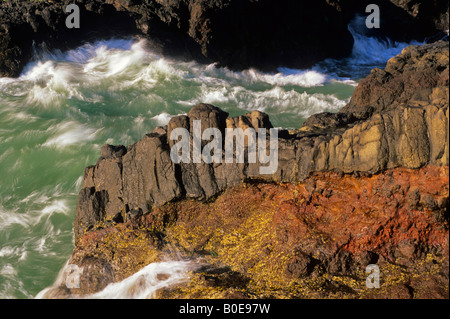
418	76
90	209
209	117
148	175
236	33
112	151
301	265
267	34
26	27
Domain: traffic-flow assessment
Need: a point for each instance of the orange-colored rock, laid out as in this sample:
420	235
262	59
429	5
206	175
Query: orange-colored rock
369	213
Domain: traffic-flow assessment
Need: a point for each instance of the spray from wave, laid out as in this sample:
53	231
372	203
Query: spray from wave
368	52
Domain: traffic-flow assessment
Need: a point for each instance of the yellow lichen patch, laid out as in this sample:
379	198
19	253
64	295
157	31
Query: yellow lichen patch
246	242
126	248
248	250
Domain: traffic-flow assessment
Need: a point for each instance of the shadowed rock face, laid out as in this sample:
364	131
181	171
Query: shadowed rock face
397	120
235	33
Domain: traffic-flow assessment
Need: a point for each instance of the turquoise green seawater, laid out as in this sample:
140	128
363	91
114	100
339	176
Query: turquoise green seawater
55	117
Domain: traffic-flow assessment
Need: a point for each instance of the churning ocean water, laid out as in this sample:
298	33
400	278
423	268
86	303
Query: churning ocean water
55	117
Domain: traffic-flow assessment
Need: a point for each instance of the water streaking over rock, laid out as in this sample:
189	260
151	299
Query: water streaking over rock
367	52
141	285
147	281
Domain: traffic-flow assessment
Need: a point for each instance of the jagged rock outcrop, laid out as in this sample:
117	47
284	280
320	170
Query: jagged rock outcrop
396	117
382	127
236	33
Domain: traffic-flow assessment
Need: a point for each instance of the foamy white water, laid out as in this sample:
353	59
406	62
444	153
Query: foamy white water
141	285
147	281
367	53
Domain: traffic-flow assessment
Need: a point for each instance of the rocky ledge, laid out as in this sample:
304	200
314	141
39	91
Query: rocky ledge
235	33
366	185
